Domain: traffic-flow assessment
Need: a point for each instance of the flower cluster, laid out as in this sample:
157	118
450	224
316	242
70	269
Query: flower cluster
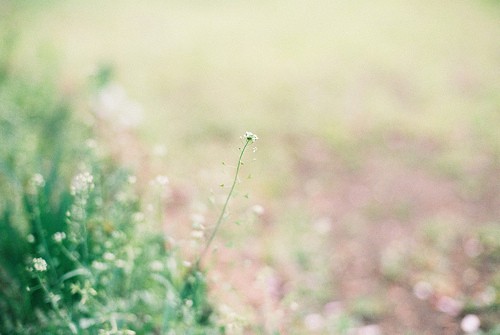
36	182
39	264
59	237
82	183
249	136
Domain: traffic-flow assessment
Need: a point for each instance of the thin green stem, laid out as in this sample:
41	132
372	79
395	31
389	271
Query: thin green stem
56	308
224	208
41	232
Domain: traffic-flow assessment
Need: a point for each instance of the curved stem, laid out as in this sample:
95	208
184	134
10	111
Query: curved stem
223	211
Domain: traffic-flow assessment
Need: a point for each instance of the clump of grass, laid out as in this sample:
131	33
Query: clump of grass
75	258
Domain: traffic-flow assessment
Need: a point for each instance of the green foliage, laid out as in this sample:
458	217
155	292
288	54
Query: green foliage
74	256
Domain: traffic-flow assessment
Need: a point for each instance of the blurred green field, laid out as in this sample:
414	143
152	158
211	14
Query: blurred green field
378	162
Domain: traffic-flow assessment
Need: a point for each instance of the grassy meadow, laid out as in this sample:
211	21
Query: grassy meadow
370	203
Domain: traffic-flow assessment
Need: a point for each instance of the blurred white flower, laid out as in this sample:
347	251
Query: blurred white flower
156	266
59	237
161	180
470	323
198	234
449	306
369	330
249	136
113	104
323	226
109	256
100	266
197	220
423	290
314	322
82	183
258	210
39	264
159	150
37	181
473	247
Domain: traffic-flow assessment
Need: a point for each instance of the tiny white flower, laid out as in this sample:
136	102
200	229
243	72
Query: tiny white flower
423	290
59	237
120	263
161	180
258	210
156	266
82	183
159	150
138	217
109	256
470	323
91	143
314	322
38	180
197	219
249	136
198	234
100	266
39	264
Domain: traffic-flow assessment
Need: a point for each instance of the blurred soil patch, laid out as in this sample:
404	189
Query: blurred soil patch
399	222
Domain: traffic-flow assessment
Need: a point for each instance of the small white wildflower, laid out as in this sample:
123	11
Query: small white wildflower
112	103
138	217
369	330
198	234
30	238
249	136
189	303
39	264
120	263
59	237
161	180
159	150
156	266
109	256
488	296
423	290
132	179
449	305
35	183
473	247
197	219
100	266
91	143
187	264
470	323
314	322
37	180
82	183
323	225
258	210
54	298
